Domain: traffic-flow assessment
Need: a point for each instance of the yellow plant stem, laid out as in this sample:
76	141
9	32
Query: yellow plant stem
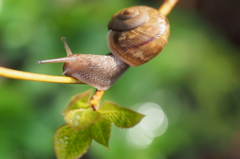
21	75
167	6
95	100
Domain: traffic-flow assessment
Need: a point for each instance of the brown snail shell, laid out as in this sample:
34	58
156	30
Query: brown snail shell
137	34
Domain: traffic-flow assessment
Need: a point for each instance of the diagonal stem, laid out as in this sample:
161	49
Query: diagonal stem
167	6
95	100
21	75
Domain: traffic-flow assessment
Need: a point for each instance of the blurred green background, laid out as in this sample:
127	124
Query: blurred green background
194	82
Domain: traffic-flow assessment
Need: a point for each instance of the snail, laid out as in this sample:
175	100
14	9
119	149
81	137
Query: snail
136	35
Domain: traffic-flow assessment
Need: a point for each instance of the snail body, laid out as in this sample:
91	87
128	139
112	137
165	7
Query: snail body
91	69
99	71
136	35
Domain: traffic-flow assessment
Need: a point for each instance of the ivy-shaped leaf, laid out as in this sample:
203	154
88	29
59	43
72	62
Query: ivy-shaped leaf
121	117
79	101
70	143
81	118
100	131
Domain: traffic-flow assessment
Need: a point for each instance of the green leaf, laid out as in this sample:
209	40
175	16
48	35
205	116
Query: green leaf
81	118
100	131
79	101
70	143
121	117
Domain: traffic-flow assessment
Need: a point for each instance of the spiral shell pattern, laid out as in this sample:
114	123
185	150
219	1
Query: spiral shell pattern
137	34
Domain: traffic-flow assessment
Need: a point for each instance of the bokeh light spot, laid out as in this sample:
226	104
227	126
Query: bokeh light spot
137	138
152	125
